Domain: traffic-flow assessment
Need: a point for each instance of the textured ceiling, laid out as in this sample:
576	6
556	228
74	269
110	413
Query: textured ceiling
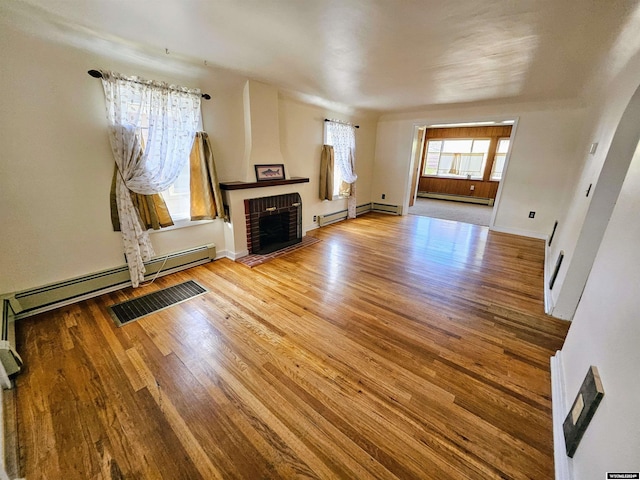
373	54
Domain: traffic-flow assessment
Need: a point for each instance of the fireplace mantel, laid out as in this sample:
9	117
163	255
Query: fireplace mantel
266	183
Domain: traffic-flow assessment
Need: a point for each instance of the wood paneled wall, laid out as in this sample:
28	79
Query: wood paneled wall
454	186
497	131
484	188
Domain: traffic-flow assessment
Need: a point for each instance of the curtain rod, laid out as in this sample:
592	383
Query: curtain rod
343	123
98	74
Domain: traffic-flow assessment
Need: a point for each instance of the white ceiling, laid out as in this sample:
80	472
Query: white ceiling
381	55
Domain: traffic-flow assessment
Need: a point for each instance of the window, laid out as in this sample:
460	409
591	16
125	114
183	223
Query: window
178	196
456	158
499	159
343	139
168	117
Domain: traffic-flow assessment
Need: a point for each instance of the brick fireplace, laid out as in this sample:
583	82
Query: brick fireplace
273	223
239	196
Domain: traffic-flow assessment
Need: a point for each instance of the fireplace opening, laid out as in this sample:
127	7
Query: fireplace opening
273	223
274	233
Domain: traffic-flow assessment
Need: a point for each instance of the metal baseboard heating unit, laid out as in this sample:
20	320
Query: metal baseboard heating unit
9	358
457	198
330	218
10	364
48	297
334	217
384	208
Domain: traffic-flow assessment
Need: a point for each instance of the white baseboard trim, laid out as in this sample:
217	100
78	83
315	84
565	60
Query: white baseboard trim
236	255
563	464
519	231
221	254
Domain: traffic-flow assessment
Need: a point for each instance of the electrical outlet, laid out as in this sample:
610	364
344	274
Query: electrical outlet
384	196
472	188
315	218
532	214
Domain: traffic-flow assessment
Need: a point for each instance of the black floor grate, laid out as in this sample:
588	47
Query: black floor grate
136	308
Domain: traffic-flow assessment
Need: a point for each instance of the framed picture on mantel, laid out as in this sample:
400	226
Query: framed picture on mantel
274	171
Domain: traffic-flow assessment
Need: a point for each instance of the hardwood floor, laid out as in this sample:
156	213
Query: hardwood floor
396	347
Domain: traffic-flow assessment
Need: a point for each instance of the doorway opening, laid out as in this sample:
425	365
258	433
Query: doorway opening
457	170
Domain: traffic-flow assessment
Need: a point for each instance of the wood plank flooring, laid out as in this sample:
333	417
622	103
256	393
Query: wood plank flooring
394	348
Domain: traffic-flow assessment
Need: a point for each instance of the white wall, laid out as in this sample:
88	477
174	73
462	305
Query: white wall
606	329
541	168
605	332
581	229
301	133
56	164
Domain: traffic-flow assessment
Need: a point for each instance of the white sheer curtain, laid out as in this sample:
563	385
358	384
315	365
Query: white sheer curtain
169	116
343	139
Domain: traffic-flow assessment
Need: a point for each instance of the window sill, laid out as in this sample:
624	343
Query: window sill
183	223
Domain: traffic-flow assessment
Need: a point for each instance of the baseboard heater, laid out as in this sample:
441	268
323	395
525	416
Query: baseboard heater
329	218
10	364
9	358
457	198
384	208
48	297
